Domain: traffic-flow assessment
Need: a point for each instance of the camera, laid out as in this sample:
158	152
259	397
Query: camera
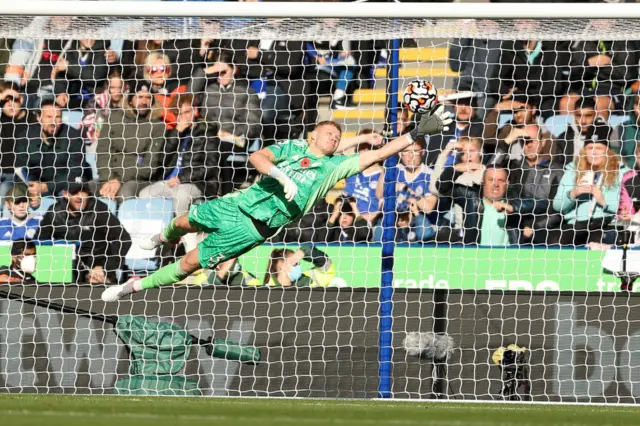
514	365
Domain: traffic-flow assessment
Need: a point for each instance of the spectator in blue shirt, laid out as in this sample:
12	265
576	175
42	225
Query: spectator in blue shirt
20	225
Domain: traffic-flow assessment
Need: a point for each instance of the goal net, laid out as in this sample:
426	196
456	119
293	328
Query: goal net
492	261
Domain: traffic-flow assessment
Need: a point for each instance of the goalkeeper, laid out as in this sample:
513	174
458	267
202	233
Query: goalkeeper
299	174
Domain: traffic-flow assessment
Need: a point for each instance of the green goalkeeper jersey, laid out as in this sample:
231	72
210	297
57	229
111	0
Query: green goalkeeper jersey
315	176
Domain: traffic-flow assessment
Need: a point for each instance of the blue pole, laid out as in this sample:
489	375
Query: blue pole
385	314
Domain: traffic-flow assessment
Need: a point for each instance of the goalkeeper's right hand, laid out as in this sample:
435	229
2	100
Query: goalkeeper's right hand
290	188
431	123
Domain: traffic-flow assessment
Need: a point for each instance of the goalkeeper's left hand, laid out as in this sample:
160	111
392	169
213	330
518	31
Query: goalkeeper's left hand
431	123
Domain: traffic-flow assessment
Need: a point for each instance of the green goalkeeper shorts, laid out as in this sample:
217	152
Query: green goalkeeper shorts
231	232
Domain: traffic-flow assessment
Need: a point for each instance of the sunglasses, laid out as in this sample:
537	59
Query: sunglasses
157	68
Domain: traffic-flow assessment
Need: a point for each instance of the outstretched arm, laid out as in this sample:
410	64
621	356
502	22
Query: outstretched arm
432	123
263	161
345	144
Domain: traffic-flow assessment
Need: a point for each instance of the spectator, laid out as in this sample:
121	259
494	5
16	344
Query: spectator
19	225
588	196
587	126
228	101
334	58
23	264
14	123
80	73
51	153
465	156
631	135
414	202
80	217
184	54
111	99
284	268
363	186
159	73
630	191
536	178
345	223
190	162
130	147
465	124
488	218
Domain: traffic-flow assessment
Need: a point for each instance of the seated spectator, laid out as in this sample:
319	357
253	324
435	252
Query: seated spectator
363	186
190	162
630	191
630	135
587	126
184	54
228	101
524	109
19	225
80	217
51	153
588	196
465	155
345	224
232	274
284	270
130	147
80	73
489	219
23	264
14	123
158	71
333	57
465	124
535	178
414	202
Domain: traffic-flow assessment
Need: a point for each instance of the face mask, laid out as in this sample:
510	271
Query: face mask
296	273
28	264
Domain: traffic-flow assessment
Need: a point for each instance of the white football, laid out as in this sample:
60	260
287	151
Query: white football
420	97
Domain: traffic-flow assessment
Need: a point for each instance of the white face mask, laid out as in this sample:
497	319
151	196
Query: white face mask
28	264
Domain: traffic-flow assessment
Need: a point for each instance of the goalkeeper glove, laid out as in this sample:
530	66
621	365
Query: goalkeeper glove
290	188
431	123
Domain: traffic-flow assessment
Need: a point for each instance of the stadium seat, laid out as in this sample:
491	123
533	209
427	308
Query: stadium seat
92	161
618	120
72	118
142	218
557	124
111	205
504	119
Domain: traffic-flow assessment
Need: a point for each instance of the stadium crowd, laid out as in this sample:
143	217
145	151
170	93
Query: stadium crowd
543	150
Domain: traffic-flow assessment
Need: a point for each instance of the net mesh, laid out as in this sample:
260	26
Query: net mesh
509	231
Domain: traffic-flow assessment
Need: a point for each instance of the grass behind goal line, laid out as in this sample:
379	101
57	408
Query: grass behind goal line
68	410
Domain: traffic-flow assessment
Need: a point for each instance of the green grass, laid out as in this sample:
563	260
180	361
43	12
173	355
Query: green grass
59	410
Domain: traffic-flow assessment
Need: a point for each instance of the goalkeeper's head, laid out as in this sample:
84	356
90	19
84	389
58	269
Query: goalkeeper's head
326	137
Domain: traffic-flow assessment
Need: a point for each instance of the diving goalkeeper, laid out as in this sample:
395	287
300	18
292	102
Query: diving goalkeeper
299	174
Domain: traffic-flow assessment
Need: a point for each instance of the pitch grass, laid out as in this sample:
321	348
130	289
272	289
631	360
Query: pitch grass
68	410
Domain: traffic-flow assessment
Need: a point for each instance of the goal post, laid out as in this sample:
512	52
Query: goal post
415	295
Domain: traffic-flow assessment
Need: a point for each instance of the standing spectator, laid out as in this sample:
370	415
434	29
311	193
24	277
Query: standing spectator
587	126
80	73
19	225
414	203
158	71
334	58
346	224
536	178
110	99
130	147
52	153
23	264
104	242
14	123
588	196
630	135
228	101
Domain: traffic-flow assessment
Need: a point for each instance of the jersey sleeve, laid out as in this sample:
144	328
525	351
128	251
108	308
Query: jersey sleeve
350	166
280	150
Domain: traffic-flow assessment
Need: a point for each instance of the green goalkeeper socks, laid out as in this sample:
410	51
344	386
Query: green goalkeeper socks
166	275
171	232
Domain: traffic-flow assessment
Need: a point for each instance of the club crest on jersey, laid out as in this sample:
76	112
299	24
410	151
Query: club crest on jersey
305	162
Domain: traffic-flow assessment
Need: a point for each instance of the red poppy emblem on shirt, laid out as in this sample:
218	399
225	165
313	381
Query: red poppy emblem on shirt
304	163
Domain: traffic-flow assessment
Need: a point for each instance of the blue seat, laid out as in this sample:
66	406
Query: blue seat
92	161
618	120
45	203
558	124
142	218
504	119
111	205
